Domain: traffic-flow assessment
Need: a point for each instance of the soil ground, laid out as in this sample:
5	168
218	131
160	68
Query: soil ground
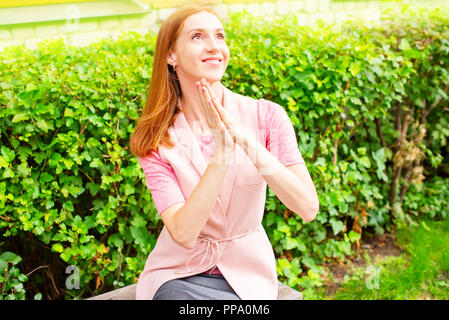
377	247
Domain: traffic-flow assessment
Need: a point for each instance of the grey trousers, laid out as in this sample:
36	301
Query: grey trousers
197	287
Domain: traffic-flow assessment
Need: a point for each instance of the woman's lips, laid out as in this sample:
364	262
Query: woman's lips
213	62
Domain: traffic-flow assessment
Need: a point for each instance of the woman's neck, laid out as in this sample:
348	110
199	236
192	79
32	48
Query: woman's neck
191	107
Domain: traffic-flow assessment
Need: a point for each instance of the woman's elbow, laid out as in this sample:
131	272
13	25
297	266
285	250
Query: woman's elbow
185	241
311	213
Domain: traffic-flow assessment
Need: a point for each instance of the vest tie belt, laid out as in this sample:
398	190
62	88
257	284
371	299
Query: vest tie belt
214	254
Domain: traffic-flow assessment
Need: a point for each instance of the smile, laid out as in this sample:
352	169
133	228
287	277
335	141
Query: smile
213	62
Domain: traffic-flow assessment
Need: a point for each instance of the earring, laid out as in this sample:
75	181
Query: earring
173	72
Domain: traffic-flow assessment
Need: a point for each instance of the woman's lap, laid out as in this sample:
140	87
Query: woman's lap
197	287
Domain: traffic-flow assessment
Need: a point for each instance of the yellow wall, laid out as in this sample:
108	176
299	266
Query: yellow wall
21	3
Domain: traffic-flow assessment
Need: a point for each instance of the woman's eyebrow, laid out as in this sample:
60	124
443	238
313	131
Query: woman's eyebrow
199	29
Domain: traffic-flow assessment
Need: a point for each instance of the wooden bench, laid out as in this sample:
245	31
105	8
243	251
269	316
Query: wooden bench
129	293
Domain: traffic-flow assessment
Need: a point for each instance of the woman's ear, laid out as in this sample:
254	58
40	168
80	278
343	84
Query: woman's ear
171	59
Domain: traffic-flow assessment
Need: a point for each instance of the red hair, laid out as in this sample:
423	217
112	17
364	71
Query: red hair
165	91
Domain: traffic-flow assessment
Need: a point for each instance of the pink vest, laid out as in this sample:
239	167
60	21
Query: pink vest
233	238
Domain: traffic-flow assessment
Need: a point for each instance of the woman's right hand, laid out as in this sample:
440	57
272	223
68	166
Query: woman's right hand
224	143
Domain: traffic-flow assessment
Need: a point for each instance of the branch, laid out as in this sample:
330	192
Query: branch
83	128
35	269
398	125
334	160
425	112
380	133
406	184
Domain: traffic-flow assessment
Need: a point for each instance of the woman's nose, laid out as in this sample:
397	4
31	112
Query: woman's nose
212	43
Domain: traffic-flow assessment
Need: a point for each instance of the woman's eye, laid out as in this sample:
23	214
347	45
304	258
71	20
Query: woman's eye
197	34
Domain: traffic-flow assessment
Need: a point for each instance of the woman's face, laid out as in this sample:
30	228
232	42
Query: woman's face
202	37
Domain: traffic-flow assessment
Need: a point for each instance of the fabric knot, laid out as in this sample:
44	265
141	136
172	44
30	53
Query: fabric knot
212	249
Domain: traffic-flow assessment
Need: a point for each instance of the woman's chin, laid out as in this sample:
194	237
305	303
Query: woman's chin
212	76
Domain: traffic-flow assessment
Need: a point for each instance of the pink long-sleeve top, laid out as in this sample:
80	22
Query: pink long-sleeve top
279	137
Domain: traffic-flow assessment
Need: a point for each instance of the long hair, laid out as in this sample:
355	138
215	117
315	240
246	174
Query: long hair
165	91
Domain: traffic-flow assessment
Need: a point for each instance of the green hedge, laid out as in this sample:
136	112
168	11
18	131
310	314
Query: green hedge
72	194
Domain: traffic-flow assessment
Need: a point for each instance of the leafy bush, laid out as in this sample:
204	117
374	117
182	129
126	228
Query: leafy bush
69	184
11	279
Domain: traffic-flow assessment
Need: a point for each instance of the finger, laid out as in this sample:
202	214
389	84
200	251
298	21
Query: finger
202	98
221	111
215	102
202	102
203	93
210	118
209	90
211	113
206	94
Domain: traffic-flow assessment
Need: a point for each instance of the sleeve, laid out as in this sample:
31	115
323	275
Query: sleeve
162	182
280	137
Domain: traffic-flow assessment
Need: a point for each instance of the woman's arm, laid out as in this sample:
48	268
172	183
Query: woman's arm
292	185
186	223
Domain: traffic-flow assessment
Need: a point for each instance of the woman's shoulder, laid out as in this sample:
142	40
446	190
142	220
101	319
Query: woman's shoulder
269	112
152	156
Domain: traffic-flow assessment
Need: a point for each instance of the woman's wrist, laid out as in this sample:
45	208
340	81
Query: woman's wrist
221	159
263	160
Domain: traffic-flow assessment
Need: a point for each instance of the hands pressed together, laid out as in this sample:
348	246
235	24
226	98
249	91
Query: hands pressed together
226	131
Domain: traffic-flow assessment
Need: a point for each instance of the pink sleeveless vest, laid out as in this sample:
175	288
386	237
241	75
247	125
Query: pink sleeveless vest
233	238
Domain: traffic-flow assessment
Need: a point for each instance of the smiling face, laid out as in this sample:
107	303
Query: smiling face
200	51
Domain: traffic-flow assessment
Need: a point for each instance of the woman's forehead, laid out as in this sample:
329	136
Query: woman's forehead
202	21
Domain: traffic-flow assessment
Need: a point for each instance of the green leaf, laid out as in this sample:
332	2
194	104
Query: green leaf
68	205
8	154
68	112
20	117
365	161
404	45
337	225
289	243
116	240
31	87
23	169
43	125
92	142
141	235
361	151
129	189
8	173
353	236
68	163
283	227
3	162
46	177
93	188
58	247
3	266
96	163
138	221
10	257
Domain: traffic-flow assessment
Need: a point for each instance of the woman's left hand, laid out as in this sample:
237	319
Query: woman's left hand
237	131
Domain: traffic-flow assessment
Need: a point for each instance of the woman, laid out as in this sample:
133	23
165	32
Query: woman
208	155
